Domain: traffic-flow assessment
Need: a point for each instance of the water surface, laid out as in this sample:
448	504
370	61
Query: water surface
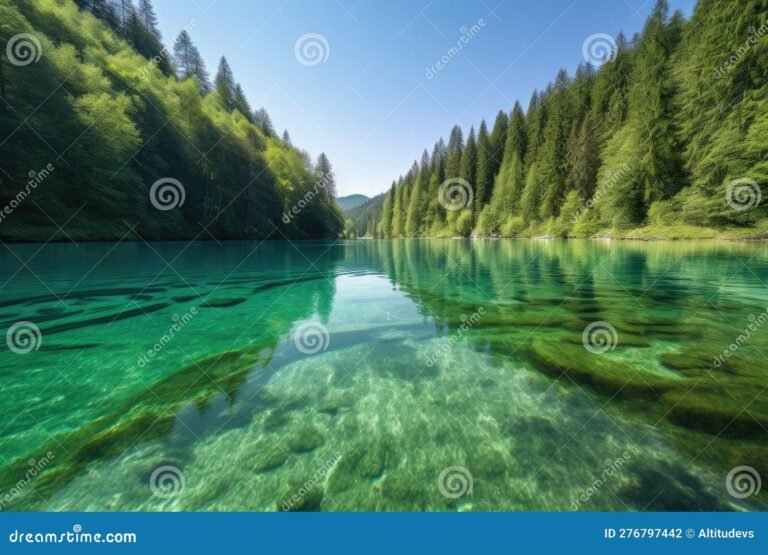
384	375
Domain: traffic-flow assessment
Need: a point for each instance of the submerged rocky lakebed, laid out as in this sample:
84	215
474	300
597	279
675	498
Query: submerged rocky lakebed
419	375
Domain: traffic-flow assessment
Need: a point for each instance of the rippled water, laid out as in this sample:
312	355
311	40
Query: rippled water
384	375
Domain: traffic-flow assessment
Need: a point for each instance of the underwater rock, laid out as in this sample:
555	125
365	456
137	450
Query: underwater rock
124	315
305	440
604	374
301	497
75	347
724	407
185	298
487	461
275	419
404	490
222	303
625	340
658	485
268	457
335	401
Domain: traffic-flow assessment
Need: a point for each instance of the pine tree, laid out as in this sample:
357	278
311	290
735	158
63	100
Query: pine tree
103	9
325	176
497	139
385	226
146	14
225	84
189	63
583	158
416	203
484	171
264	122
241	103
286	137
552	156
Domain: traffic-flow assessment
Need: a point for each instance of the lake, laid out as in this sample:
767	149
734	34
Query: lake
515	375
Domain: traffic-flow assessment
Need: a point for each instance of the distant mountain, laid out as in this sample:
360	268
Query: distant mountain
350	201
362	219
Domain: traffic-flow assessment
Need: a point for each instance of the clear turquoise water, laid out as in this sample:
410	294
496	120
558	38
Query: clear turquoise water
428	355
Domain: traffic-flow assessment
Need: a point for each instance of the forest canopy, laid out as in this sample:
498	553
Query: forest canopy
101	124
669	133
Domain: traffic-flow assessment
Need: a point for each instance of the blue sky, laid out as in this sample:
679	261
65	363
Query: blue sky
369	103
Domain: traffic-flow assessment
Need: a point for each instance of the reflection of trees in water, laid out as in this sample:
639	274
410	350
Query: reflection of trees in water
153	414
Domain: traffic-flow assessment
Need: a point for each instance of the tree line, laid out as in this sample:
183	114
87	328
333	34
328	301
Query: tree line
670	130
114	111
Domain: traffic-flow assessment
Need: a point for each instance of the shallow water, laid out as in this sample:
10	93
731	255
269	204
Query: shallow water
384	375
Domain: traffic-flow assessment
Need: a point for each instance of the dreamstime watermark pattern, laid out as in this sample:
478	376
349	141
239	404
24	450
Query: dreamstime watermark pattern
445	347
23	49
166	338
743	481
319	475
755	322
467	34
455	482
741	51
743	193
321	184
35	468
599	49
311	49
311	337
455	194
167	193
35	179
599	337
24	337
167	481
609	470
607	186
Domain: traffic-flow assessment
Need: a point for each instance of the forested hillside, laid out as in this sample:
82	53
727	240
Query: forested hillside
669	135
107	134
361	220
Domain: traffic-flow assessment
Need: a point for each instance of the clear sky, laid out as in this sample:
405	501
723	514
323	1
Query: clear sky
368	102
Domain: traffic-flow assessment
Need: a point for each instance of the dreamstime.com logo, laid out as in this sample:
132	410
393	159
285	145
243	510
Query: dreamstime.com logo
755	323
455	482
321	184
167	193
467	322
320	475
754	36
599	49
743	194
24	337
609	184
167	481
35	179
311	49
35	468
23	49
743	481
76	535
178	324
599	337
311	337
467	34
612	466
455	194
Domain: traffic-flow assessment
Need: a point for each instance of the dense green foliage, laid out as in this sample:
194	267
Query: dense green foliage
362	219
107	111
656	137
